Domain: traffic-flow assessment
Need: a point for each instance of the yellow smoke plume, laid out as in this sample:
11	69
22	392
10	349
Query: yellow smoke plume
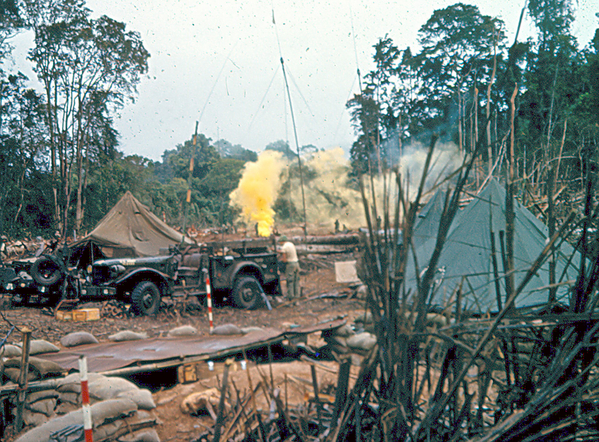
258	190
328	197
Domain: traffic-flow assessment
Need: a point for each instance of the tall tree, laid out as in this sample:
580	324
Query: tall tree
365	117
550	83
10	23
374	113
283	147
22	150
88	69
457	56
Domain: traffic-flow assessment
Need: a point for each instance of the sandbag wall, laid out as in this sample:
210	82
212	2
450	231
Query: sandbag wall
120	410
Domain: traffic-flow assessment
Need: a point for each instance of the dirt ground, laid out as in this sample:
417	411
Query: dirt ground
323	299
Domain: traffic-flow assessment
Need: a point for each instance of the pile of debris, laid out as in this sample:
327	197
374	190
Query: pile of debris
275	401
10	250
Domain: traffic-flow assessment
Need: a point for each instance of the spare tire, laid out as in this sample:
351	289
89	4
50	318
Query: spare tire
47	270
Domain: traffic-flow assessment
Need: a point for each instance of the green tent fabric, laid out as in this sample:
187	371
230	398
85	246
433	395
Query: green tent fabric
428	219
130	229
467	255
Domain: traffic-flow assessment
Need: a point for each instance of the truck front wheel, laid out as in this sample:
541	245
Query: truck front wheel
145	298
247	293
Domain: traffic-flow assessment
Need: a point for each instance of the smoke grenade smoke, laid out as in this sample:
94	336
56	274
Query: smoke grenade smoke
445	160
258	190
332	200
329	197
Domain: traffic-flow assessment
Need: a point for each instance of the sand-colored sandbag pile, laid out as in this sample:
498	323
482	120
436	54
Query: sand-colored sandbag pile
120	410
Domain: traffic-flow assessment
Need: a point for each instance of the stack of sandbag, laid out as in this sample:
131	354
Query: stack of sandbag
39	369
364	322
113	420
120	410
337	339
345	340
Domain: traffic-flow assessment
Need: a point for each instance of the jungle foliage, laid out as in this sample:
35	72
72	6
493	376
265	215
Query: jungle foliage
61	167
459	84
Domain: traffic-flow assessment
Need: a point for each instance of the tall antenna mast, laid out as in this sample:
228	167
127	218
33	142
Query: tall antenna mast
353	33
189	179
299	158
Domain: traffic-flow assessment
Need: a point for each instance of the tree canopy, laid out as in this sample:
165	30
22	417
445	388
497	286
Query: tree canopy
62	168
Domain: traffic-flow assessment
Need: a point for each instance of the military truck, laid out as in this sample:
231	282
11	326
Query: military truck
240	271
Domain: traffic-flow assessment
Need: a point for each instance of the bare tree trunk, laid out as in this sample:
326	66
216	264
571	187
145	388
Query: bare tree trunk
509	204
53	153
488	109
460	131
79	205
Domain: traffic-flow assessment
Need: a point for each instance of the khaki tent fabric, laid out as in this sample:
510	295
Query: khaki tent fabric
130	229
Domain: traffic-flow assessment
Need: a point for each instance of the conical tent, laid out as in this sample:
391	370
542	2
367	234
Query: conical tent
467	257
130	229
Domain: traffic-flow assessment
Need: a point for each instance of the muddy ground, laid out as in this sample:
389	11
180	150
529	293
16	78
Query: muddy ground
323	299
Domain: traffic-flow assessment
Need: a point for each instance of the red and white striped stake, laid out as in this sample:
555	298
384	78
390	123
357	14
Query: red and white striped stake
87	412
209	299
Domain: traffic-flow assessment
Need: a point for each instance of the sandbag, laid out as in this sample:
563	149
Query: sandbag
140	436
114	430
127	335
102	412
46	368
39	346
184	330
42	368
362	341
142	397
11	351
105	387
34	418
109	431
344	331
36	396
14	373
78	338
63	408
70	398
72	382
246	330
226	329
45	407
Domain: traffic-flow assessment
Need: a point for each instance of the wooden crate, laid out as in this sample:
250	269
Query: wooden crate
79	315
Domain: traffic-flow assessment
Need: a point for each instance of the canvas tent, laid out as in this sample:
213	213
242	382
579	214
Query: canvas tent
130	229
467	257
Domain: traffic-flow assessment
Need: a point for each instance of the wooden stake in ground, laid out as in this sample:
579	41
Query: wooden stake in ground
22	395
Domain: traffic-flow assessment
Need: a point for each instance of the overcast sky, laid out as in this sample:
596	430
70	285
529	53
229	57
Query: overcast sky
218	62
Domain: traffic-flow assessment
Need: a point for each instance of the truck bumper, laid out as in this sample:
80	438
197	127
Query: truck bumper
97	292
